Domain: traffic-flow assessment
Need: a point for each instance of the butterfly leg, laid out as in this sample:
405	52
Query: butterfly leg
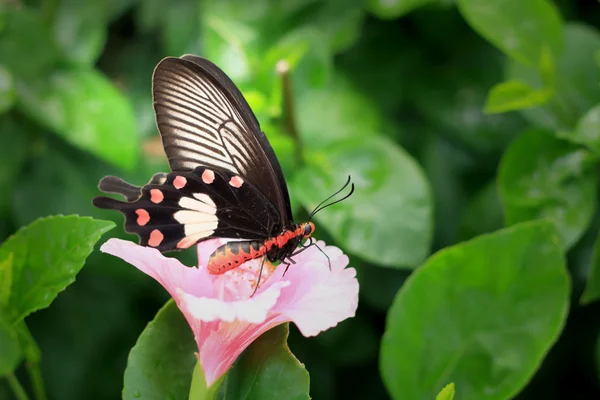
306	247
262	265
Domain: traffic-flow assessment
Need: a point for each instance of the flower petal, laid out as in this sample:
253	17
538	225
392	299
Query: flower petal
168	271
317	298
254	309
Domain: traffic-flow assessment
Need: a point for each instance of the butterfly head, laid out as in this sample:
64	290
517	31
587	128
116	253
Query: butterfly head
308	229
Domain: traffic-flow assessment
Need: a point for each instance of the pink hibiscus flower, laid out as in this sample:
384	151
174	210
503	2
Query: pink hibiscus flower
225	319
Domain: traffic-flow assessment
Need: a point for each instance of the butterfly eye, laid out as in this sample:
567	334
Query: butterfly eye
308	229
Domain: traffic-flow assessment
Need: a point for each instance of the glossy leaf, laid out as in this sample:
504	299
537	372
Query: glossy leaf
267	370
10	351
386	9
47	255
7	90
543	177
161	363
592	286
481	314
521	29
576	85
514	95
587	131
87	110
447	393
388	218
27	48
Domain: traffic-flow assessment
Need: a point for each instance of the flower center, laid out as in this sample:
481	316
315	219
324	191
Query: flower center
239	283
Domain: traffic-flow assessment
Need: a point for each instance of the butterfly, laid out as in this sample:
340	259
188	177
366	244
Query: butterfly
225	180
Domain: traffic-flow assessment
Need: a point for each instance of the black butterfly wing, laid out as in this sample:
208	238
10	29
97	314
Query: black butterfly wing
177	210
205	121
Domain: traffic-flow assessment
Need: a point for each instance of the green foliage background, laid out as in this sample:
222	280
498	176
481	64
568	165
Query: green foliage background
469	127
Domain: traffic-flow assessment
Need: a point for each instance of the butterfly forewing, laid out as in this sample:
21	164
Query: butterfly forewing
204	121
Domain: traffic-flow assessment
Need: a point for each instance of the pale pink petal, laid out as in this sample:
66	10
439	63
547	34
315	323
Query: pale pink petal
168	271
318	299
254	309
223	342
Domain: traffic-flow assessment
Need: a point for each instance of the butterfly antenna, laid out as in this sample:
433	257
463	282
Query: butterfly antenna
321	206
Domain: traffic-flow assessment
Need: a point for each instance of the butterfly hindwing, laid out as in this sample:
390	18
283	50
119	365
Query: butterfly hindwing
177	210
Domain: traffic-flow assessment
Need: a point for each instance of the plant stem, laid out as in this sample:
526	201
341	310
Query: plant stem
283	69
16	387
35	375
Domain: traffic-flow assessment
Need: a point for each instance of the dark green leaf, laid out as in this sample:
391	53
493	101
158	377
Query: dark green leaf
267	370
447	393
481	314
7	90
10	351
386	9
521	29
514	95
483	213
87	110
27	47
543	177
576	85
12	157
592	287
388	219
587	131
47	255
161	363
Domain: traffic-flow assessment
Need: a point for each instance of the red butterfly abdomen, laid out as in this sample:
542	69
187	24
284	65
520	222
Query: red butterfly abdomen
233	254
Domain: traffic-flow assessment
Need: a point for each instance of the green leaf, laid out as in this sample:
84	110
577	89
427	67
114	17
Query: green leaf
27	47
87	110
80	30
6	278
47	255
160	364
543	177
587	131
482	314
386	9
388	219
447	393
7	90
267	370
330	114
10	351
521	29
576	80
514	95
199	391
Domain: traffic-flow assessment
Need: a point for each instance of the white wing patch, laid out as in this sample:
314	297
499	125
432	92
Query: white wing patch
199	216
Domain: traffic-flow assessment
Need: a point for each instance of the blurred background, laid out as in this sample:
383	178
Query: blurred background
394	97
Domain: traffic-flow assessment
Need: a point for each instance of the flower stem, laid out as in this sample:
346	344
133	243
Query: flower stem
16	387
35	375
283	69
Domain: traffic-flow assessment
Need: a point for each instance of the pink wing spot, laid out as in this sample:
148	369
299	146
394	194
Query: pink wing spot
155	238
179	182
236	181
185	243
143	216
156	196
208	176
